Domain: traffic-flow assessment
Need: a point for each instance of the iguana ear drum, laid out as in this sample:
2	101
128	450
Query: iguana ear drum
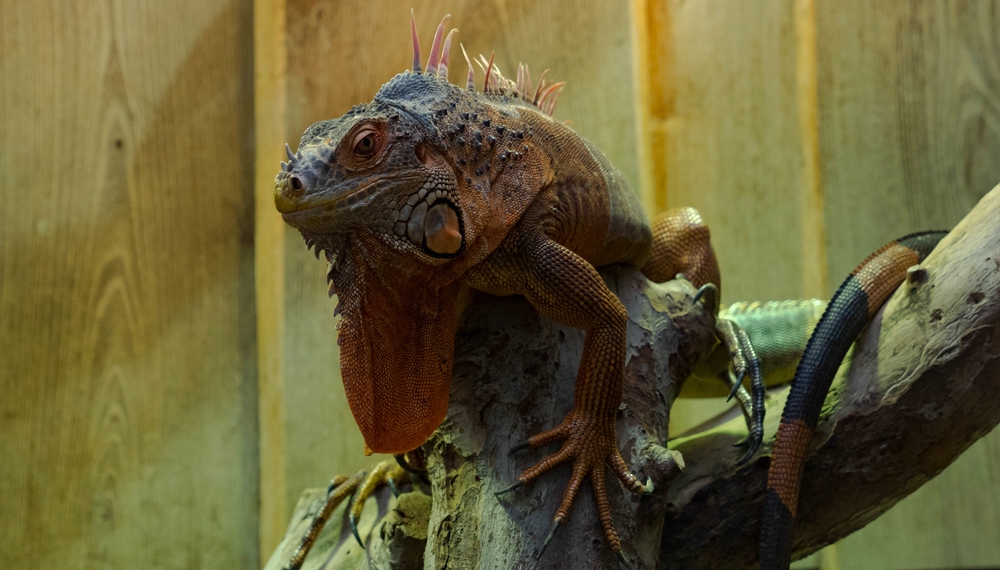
442	231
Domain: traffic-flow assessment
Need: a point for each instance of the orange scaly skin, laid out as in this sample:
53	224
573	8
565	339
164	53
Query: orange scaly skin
431	187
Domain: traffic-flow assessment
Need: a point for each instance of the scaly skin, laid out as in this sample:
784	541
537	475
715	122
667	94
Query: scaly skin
850	309
778	331
430	188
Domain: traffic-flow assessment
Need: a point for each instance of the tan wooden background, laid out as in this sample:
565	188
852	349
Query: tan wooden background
128	411
168	366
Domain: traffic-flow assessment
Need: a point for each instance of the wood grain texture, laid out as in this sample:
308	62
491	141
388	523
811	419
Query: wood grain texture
910	118
339	54
127	368
270	99
723	127
910	135
718	104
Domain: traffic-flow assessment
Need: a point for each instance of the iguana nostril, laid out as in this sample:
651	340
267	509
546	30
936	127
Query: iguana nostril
296	184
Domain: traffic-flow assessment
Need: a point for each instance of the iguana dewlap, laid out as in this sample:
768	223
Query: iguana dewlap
432	187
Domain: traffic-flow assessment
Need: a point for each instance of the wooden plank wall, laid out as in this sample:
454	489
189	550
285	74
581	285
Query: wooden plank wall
810	131
128	422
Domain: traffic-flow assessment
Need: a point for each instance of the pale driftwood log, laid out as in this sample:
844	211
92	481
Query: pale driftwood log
922	387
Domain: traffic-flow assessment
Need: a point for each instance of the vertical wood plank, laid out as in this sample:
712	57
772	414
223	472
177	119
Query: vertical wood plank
910	125
270	99
813	230
716	96
910	135
127	372
718	85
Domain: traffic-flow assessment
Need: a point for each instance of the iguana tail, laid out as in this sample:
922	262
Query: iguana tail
854	304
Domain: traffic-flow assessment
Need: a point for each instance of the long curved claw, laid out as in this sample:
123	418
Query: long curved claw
340	488
506	490
379	475
354	531
519	447
590	445
737	384
414	473
709	295
745	363
548	539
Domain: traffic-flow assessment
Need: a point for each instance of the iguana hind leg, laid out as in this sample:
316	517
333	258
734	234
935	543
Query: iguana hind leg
682	246
341	487
682	243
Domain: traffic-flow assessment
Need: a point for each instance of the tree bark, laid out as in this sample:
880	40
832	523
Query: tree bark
920	389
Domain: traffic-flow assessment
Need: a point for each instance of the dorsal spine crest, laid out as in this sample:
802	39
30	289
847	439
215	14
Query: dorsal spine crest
544	96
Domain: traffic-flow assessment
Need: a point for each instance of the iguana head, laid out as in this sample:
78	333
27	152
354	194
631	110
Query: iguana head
404	194
377	169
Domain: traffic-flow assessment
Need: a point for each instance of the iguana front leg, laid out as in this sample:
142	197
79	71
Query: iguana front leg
566	288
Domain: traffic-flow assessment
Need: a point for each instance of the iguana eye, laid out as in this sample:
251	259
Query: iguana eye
366	143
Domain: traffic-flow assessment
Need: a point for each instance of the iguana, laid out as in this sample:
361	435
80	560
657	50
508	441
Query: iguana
432	188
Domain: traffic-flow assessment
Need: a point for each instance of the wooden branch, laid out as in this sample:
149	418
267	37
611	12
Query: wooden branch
514	376
921	388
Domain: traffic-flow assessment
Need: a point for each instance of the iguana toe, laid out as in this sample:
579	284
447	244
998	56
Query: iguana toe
591	446
709	295
379	475
340	488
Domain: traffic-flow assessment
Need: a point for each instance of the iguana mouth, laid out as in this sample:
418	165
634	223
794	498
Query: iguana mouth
289	201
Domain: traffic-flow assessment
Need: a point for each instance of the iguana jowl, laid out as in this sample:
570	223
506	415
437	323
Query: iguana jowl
430	188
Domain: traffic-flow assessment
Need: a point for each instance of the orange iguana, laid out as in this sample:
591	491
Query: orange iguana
432	187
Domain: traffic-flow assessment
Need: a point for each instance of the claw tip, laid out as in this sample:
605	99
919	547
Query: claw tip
506	490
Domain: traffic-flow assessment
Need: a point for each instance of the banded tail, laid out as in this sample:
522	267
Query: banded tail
850	310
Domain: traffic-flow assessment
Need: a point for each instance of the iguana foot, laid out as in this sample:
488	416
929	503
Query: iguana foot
387	472
744	362
340	488
359	487
590	444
